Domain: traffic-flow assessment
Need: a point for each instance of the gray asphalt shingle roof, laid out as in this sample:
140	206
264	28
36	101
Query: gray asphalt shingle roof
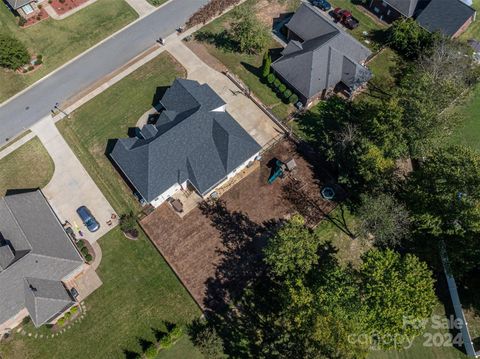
45	299
41	250
326	56
404	7
17	4
445	16
191	141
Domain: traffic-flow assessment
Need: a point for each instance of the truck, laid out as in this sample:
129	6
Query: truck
345	17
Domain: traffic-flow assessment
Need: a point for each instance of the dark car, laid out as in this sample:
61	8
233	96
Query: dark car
345	17
322	4
88	219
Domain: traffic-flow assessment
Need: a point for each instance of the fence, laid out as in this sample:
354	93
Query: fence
457	305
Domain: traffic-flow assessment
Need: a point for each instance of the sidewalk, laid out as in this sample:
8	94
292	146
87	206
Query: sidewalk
71	186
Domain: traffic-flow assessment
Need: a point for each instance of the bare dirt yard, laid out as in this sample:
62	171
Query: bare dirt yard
216	245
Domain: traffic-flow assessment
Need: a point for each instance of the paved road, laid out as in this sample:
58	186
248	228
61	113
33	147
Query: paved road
25	110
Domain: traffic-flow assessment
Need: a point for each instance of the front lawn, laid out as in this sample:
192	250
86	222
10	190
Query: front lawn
61	40
29	166
139	294
109	116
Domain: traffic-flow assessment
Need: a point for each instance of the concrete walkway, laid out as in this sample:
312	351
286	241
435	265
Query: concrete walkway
71	186
53	14
142	7
250	117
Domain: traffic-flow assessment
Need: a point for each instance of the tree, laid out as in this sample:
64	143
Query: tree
409	38
128	224
396	290
208	342
247	31
444	198
292	252
267	62
384	218
13	53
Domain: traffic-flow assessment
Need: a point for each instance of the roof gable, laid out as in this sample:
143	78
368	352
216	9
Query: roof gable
404	7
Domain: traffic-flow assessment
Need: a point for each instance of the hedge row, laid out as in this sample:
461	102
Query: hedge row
281	89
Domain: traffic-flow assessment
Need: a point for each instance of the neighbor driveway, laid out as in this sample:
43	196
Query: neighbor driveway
71	186
242	109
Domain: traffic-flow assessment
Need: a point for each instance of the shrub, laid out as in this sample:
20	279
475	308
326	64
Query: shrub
25	320
151	352
128	224
74	310
84	251
61	322
282	88
49	1
175	333
61	1
277	83
38	18
293	99
13	53
21	21
38	62
80	244
267	62
39	57
39	6
271	78
30	68
67	315
88	257
287	94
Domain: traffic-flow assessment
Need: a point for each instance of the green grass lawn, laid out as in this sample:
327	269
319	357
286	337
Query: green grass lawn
468	133
383	67
60	41
247	67
29	166
139	294
108	116
366	22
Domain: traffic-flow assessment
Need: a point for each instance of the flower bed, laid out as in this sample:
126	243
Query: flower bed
63	6
32	20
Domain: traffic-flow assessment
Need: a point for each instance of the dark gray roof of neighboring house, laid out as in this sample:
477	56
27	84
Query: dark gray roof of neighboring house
326	56
405	7
41	249
445	16
190	141
45	299
17	4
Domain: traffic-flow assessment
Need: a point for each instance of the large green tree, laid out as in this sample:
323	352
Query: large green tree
409	38
384	218
396	290
247	31
13	53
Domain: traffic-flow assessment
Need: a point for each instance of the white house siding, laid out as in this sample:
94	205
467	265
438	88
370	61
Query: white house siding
168	193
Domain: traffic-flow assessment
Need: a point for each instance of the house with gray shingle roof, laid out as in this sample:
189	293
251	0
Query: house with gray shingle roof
24	8
319	56
36	258
195	142
449	17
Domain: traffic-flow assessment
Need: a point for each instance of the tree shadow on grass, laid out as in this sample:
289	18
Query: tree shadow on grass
221	40
130	354
144	344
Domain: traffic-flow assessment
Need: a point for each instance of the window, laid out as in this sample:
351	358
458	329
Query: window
27	9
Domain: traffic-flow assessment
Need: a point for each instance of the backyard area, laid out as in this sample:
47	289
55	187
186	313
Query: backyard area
110	115
139	295
61	40
198	246
30	166
473	31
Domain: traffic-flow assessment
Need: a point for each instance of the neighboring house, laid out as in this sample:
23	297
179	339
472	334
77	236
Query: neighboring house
391	10
36	257
449	17
319	56
24	8
195	142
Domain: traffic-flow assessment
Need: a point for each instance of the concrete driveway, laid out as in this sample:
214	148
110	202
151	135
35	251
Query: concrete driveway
242	109
71	186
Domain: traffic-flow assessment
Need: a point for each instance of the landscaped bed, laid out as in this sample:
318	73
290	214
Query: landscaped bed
193	245
61	40
63	6
29	166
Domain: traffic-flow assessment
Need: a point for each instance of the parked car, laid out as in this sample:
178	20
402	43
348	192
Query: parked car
345	17
322	4
88	219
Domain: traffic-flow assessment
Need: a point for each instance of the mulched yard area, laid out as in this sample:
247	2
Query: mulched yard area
202	247
62	7
41	15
